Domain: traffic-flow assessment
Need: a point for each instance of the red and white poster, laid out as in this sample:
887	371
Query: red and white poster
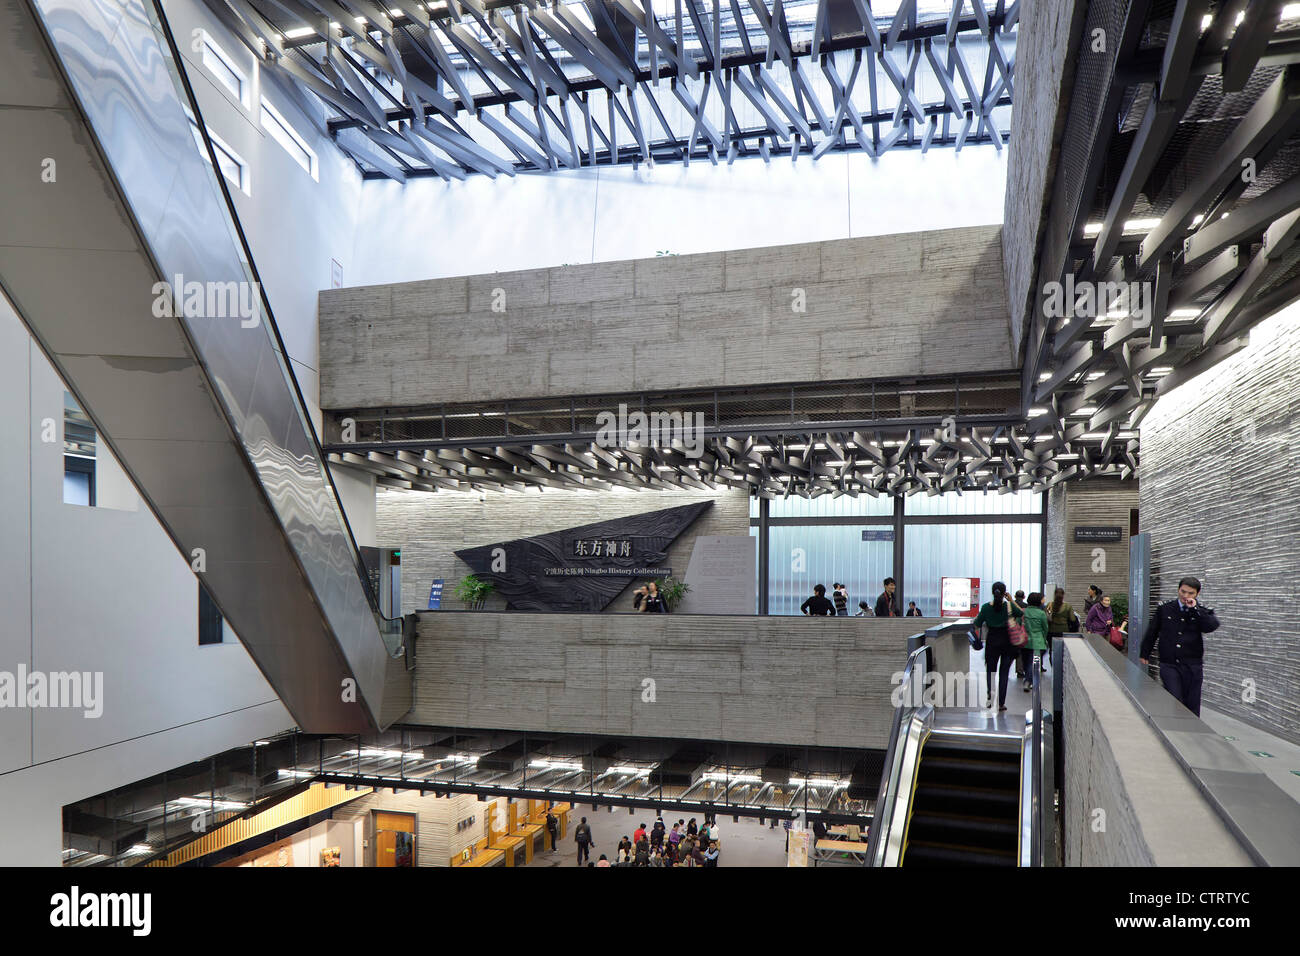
959	597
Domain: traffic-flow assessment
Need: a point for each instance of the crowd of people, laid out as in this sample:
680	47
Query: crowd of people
1017	627
686	843
887	604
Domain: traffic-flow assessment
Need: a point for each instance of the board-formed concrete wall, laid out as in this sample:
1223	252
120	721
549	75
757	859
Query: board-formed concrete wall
1044	68
920	303
1220	481
1126	800
1091	502
430	528
773	680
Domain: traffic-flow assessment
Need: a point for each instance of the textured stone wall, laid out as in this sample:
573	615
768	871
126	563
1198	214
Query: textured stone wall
430	528
880	307
1220	481
1126	801
1044	45
774	680
1056	522
1097	502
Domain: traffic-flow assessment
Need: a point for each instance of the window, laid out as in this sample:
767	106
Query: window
284	134
228	161
78	454
223	67
211	624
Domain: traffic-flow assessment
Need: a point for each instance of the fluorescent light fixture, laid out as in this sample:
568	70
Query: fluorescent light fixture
1197	220
718	776
297	774
299	33
1184	313
1083	412
1130	225
638	771
1037	410
1044	376
813	782
141	848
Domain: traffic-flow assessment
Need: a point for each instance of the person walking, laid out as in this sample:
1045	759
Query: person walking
995	615
817	605
1093	598
1178	626
1024	655
1100	618
1036	625
887	604
582	835
552	827
1060	618
841	601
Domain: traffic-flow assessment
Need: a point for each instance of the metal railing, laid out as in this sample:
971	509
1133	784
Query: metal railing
1037	844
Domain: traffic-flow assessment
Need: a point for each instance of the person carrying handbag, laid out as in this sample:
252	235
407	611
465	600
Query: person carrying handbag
1034	620
999	652
1060	620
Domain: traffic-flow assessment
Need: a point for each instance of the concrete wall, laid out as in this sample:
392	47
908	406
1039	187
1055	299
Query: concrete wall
805	681
1070	564
429	528
1220	479
1045	43
1127	802
883	307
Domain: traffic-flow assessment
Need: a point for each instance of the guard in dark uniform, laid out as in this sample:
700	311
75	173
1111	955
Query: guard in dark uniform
1178	625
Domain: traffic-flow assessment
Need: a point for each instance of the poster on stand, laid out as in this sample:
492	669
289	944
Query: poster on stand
959	597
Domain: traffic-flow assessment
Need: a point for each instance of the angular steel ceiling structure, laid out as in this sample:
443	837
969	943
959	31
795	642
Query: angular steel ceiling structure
928	436
1179	177
457	87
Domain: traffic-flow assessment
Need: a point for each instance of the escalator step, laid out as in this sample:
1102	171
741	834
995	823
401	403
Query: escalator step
921	854
951	828
976	773
966	801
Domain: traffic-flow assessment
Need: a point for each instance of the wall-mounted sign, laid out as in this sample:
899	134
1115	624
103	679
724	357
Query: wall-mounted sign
435	595
1094	533
959	597
583	568
877	534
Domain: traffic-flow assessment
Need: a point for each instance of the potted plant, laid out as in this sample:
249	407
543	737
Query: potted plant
672	591
474	591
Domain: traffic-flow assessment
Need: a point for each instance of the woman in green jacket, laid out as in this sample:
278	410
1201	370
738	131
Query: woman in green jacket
1036	625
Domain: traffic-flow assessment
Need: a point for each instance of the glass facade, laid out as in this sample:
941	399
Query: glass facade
1011	553
850	541
801	556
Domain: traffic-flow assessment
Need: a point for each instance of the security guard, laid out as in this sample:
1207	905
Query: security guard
1179	625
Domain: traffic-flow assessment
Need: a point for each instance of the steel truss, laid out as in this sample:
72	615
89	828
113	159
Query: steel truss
928	437
459	87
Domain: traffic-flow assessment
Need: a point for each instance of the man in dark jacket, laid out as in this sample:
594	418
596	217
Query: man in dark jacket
1178	625
818	604
887	604
582	836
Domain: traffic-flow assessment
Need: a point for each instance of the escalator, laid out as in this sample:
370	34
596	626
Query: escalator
193	393
965	806
960	786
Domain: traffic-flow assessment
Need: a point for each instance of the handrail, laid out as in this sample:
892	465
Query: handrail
882	818
1037	789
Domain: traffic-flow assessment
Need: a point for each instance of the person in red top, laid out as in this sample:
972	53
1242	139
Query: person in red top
639	835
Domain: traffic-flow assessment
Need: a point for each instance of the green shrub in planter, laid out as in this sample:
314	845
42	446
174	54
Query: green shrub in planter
474	591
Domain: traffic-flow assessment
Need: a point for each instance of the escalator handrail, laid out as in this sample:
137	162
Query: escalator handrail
882	819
